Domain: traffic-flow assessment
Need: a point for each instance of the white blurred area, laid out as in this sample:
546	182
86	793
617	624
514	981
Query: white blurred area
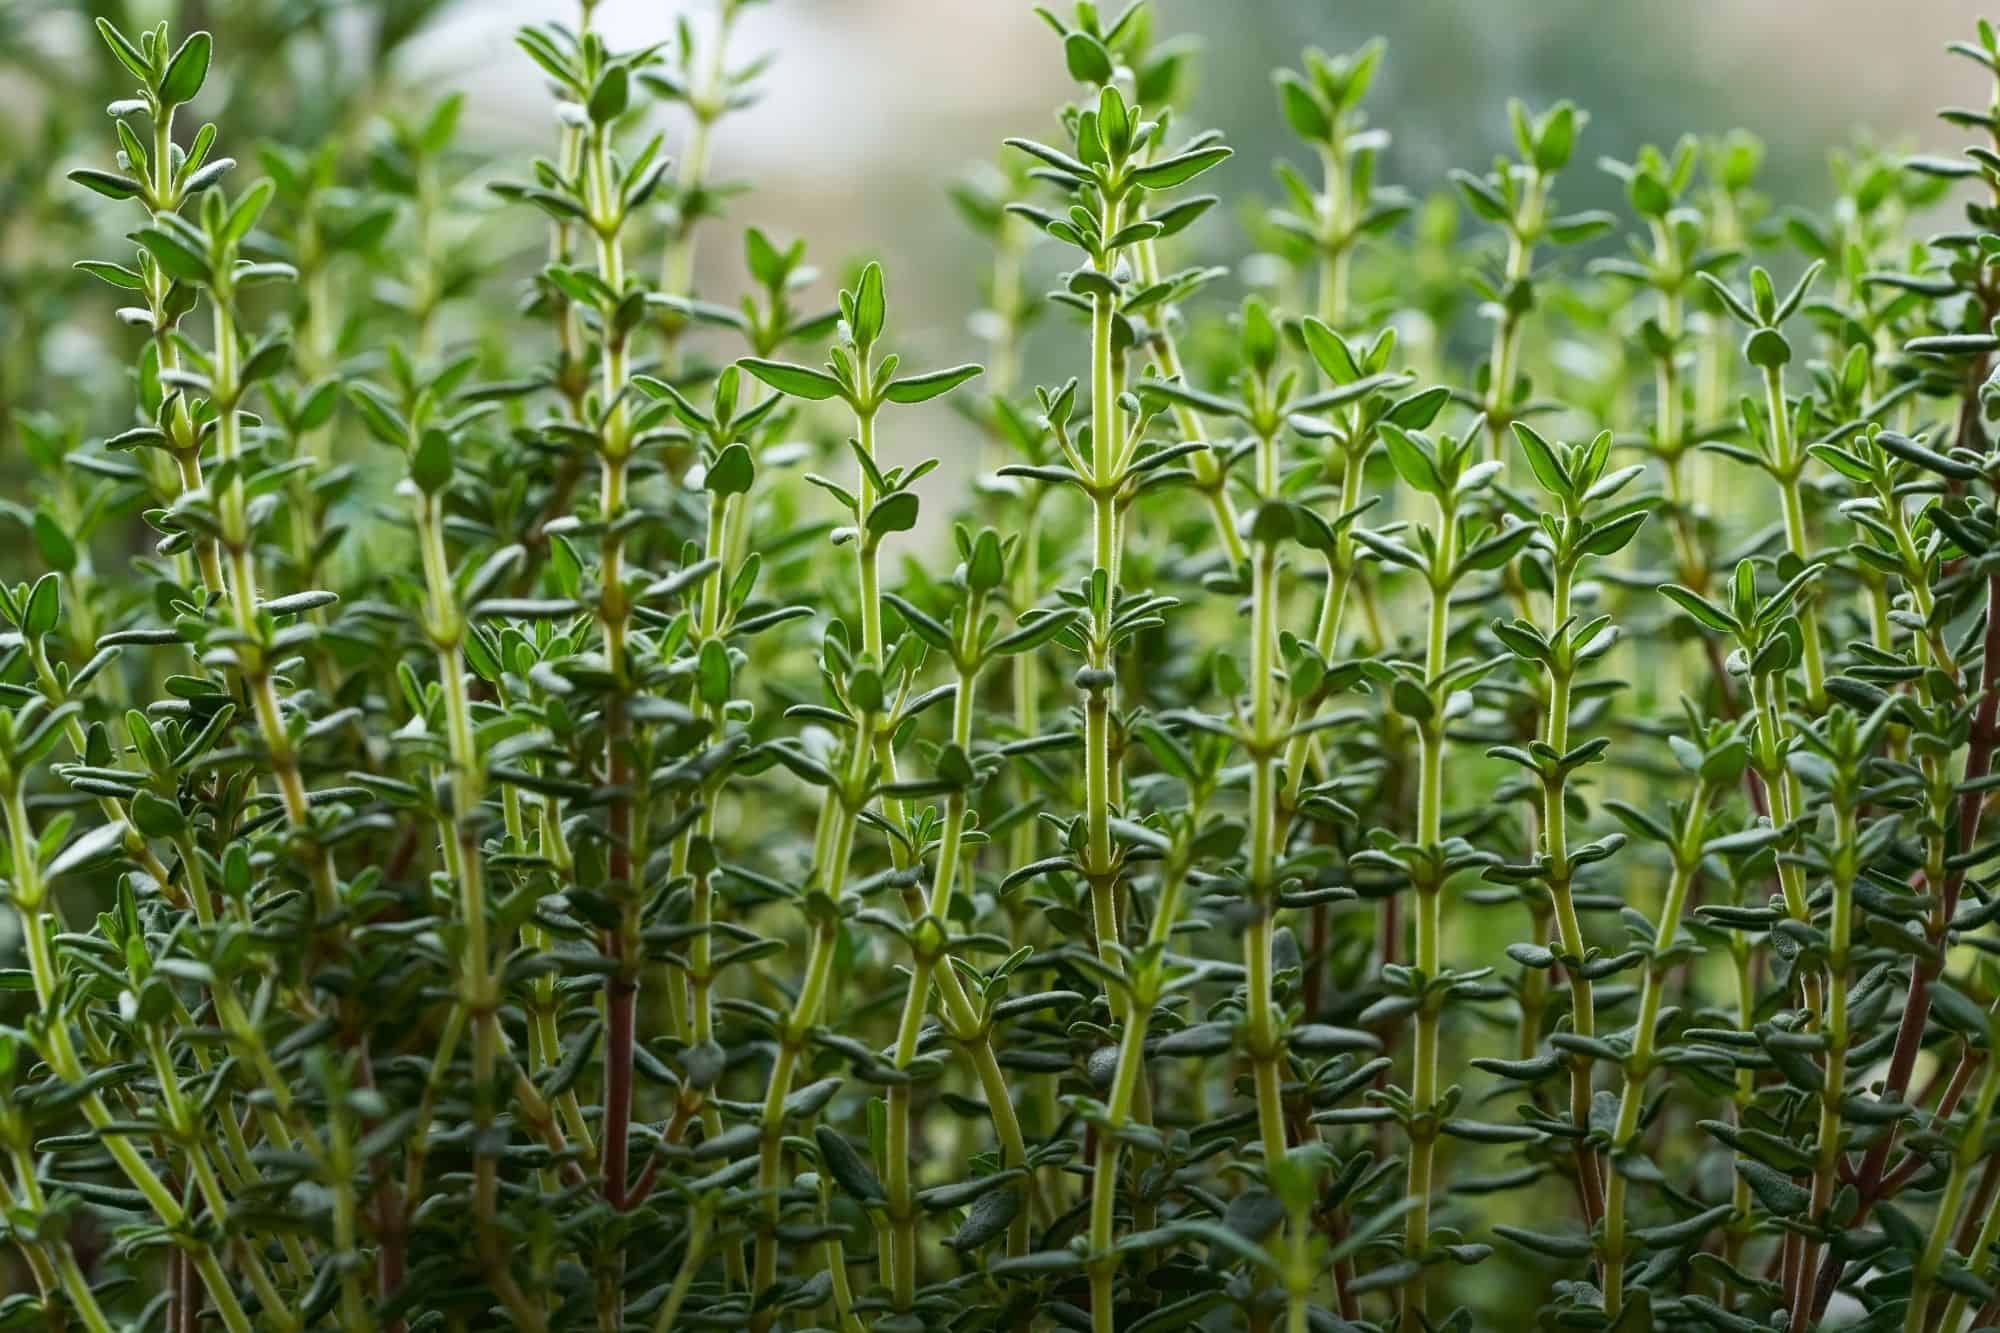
870	108
873	104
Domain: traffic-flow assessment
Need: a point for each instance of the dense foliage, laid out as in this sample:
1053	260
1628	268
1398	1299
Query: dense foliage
591	887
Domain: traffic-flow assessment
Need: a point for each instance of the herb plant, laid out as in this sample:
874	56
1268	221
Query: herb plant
1345	825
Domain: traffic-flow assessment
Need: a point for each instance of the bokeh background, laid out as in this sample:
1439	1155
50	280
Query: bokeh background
874	106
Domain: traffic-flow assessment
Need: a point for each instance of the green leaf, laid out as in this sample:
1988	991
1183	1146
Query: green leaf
187	71
731	473
1957	1010
155	816
988	1219
1556	139
1767	349
1055	157
922	388
1303	112
58	548
1087	58
1912	451
1613	536
107	183
844	1164
1034	633
99	844
924	625
1545	1243
1329	351
115	274
798	381
611	96
1707	612
1155	392
128	55
1411	699
870	305
430	464
1548	468
893	513
1172	171
1773	1189
1482	198
180	263
712	673
1420	409
1648	196
1412	461
44	607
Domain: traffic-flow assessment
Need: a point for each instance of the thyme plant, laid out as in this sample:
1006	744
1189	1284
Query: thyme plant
527	805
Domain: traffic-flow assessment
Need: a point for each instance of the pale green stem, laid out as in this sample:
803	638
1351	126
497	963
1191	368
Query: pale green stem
1686	866
1971	1146
1789	464
1429	933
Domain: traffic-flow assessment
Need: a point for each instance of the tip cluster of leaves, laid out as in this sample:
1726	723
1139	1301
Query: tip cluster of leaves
611	877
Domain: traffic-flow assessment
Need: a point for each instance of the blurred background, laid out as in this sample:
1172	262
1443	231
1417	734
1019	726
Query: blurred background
874	107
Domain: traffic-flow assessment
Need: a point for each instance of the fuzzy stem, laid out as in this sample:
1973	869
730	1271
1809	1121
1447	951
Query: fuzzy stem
1207	471
699	1222
1424	1087
1790	463
1840	935
1106	437
1266	1053
806	1006
1971	1146
1976	1252
1687	865
1507	331
621	988
30	899
1569	929
903	1213
1916	1008
479	994
1126	1081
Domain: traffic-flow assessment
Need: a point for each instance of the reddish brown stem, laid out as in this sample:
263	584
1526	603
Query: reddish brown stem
392	1264
621	1002
1917	1007
187	1296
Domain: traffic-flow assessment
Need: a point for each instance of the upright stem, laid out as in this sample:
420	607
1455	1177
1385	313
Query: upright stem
1555	836
1125	1083
707	101
1971	1147
30	898
1977	1251
791	1042
1340	576
1687	864
1840	936
479	992
1265	744
1507	331
1424	1081
903	1212
1207	471
622	943
1106	439
1790	464
1916	1008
